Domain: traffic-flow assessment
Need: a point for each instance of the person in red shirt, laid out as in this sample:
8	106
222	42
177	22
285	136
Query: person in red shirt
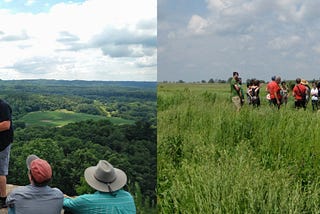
273	78
299	94
274	90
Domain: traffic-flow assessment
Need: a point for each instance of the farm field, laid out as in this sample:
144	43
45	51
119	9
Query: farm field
212	159
63	117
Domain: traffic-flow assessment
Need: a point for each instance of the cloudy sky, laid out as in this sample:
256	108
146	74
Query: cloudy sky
78	39
203	39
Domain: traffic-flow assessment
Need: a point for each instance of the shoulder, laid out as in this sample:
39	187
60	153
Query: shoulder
56	191
124	193
19	192
21	189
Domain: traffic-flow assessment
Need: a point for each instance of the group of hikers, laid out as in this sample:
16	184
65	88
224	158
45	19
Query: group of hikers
277	92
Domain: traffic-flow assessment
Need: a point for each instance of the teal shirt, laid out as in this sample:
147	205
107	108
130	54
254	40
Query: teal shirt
101	203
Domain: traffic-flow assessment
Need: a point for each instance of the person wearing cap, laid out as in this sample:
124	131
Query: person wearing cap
109	197
6	138
37	197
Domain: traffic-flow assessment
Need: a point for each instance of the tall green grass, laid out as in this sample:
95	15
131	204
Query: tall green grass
212	159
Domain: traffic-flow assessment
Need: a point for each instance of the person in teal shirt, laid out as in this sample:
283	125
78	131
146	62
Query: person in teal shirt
109	197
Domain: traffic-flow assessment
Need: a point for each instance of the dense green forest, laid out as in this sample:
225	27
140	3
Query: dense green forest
73	146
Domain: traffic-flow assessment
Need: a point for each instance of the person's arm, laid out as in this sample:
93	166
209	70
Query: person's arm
5	115
293	91
276	96
5	125
10	202
236	87
72	203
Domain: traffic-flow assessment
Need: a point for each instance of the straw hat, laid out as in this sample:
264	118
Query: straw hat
304	82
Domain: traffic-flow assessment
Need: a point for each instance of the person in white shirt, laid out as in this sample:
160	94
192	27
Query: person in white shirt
314	96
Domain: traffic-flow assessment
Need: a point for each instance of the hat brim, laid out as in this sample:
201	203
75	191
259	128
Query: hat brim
29	159
120	181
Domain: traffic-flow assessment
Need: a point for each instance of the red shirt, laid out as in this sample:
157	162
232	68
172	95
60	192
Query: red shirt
273	87
297	93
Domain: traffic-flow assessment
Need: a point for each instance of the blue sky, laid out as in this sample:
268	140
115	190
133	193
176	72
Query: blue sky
87	39
203	39
31	6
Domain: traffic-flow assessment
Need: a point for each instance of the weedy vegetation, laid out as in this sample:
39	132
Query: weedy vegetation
212	159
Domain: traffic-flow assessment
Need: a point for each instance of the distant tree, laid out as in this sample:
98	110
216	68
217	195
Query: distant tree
19	124
203	81
180	81
211	81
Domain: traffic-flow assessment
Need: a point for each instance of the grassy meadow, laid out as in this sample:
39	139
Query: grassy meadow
63	117
212	159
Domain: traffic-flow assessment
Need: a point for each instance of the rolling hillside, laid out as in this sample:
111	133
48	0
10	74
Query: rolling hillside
63	117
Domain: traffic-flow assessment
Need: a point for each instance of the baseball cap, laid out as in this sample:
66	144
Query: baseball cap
40	169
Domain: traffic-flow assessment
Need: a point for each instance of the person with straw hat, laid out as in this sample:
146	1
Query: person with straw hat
109	197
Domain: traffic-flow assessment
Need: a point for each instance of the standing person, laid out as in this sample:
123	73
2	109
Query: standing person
255	90
284	92
6	138
299	94
314	96
37	197
274	90
236	91
241	92
308	89
273	78
109	197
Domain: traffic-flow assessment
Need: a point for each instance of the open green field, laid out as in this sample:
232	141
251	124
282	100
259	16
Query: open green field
212	159
63	117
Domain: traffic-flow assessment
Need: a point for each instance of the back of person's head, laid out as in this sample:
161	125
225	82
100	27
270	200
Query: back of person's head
256	82
40	170
273	78
298	80
235	74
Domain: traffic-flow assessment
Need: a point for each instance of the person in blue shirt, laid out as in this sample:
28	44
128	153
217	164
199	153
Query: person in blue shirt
109	197
37	197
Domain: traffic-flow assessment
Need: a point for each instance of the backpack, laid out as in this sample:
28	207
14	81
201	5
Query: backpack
303	95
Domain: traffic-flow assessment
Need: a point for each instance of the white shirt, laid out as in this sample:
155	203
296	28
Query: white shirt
314	94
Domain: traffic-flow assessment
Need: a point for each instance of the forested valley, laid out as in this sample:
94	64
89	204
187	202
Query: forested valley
85	121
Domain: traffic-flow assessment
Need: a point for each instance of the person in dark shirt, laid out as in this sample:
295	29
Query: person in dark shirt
6	138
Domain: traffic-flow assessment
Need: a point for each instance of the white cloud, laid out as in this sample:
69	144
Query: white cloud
284	42
197	24
67	31
30	2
